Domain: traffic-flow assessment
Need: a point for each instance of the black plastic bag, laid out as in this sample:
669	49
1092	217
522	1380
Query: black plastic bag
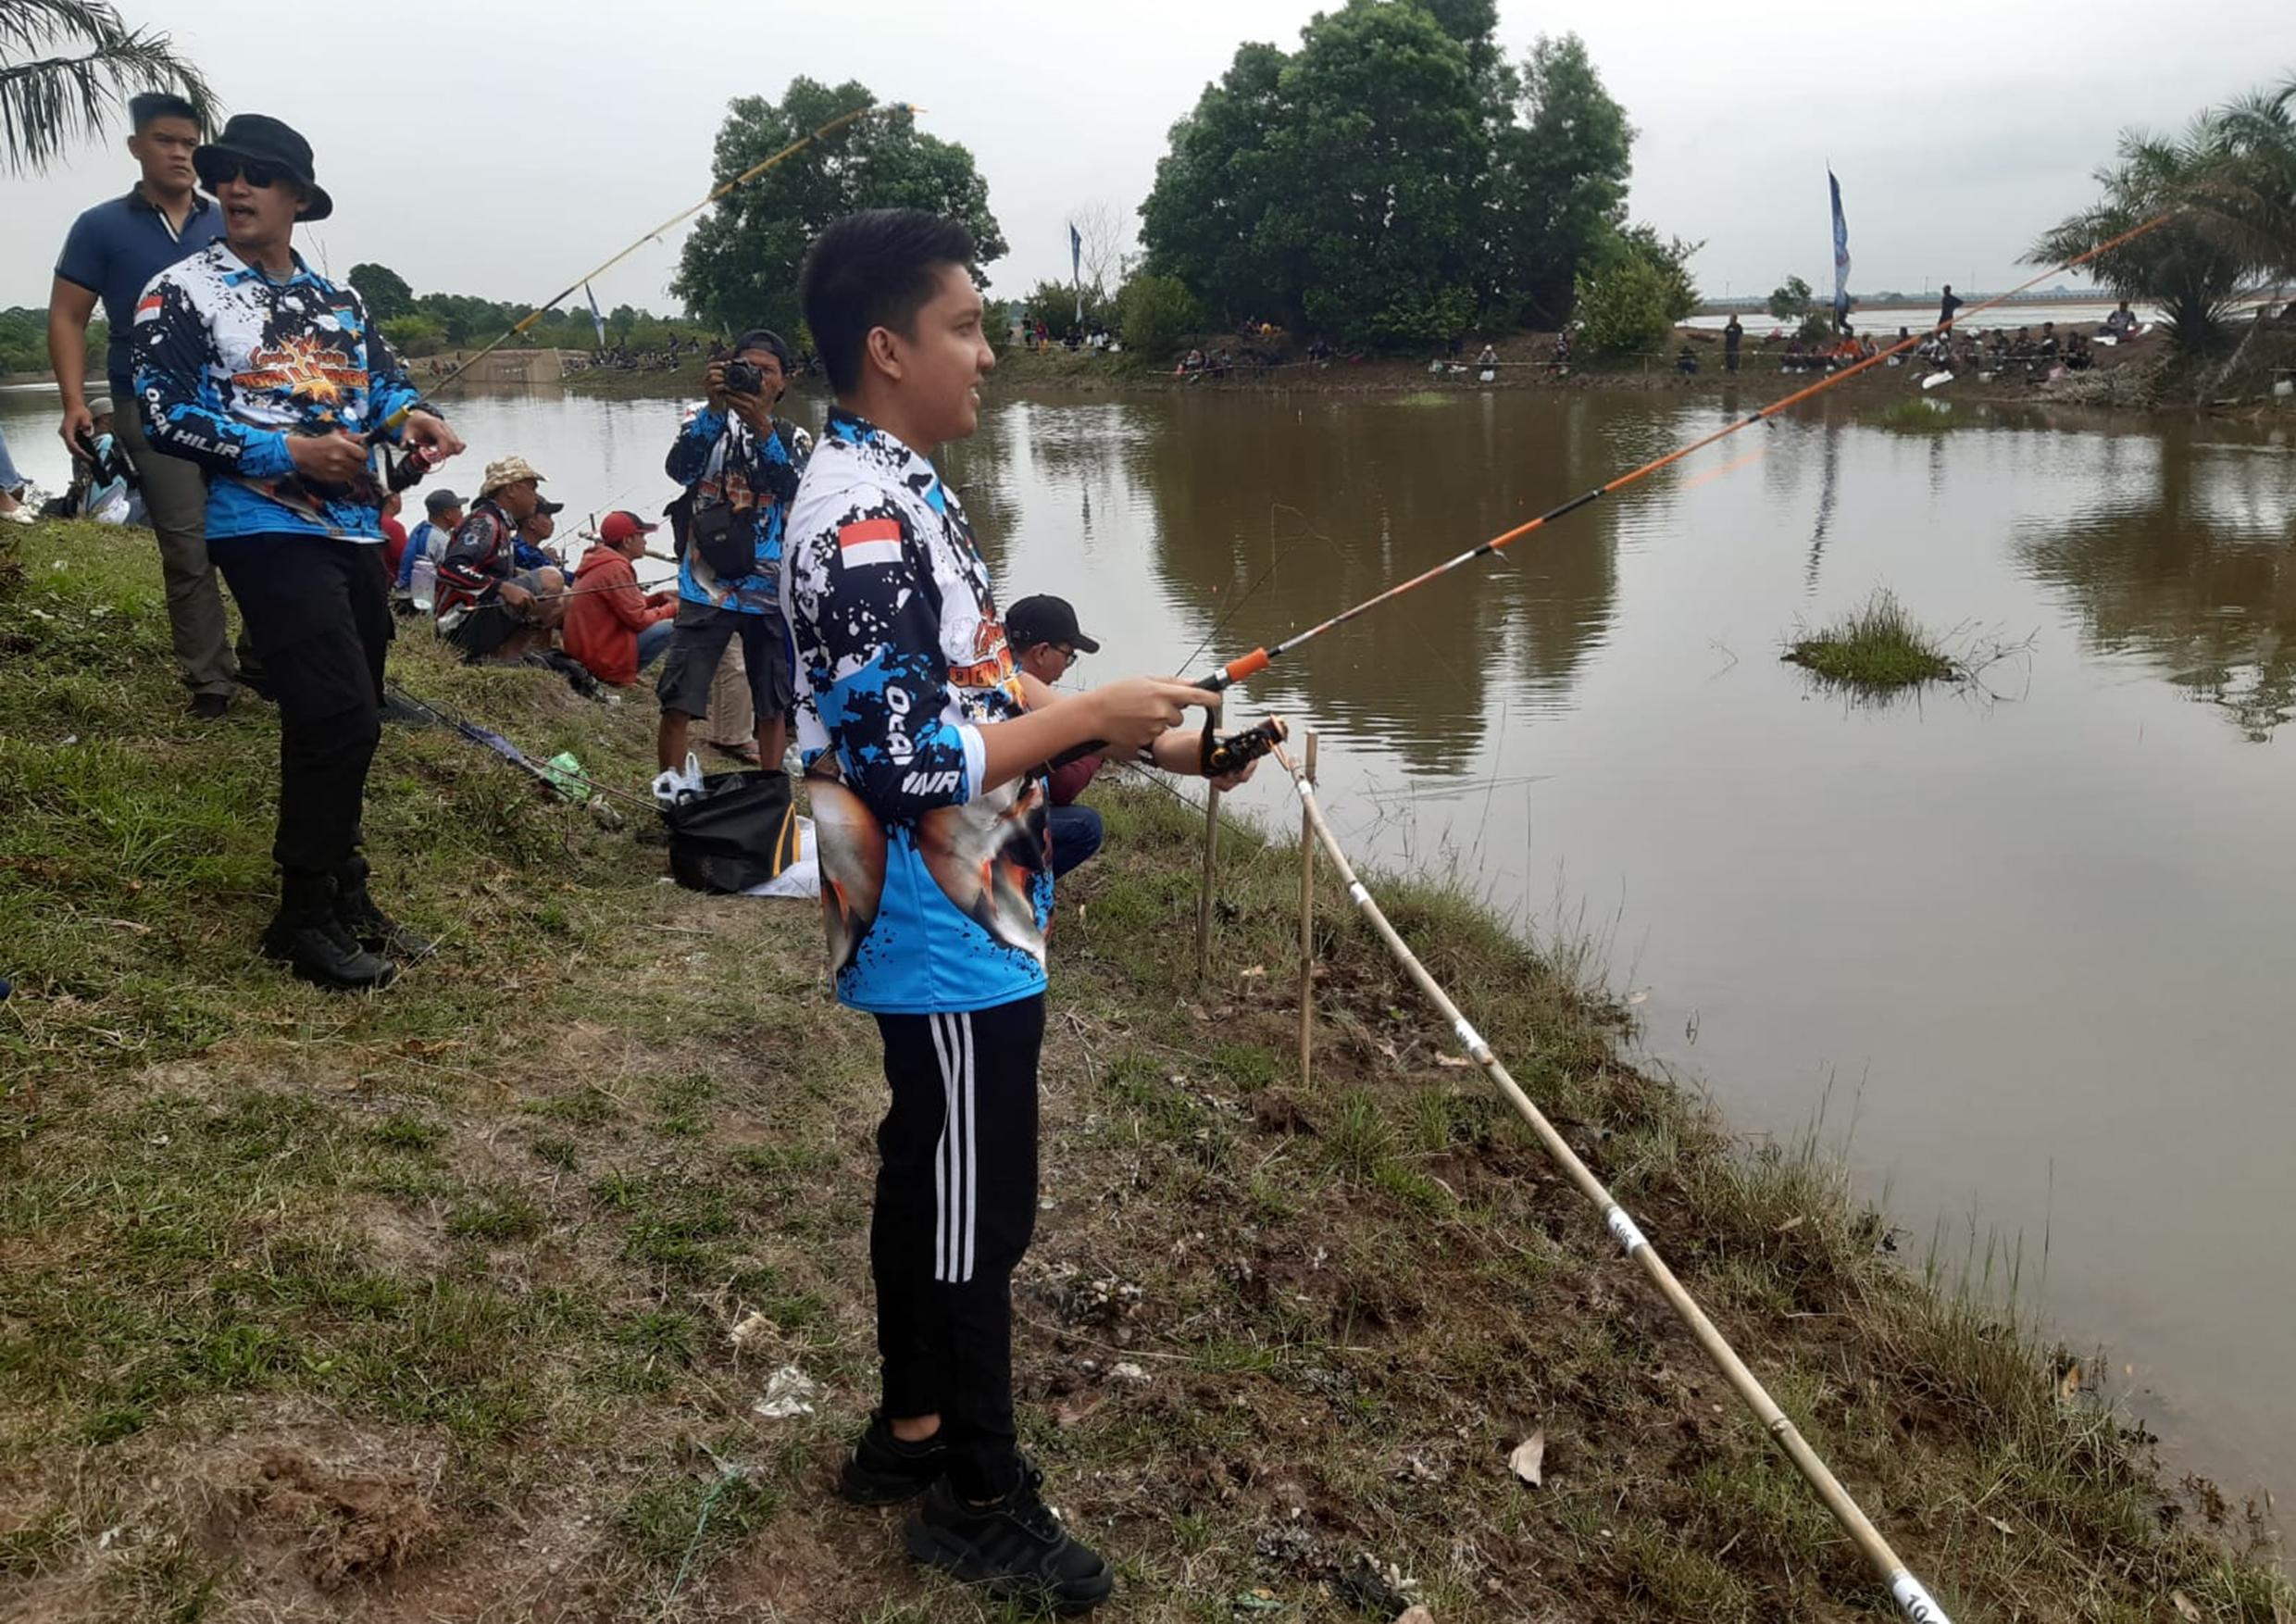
741	832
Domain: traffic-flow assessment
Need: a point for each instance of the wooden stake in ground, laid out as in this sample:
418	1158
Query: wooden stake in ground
1914	1600
1204	901
1308	928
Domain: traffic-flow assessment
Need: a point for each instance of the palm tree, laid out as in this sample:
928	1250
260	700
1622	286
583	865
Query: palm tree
66	66
2184	266
2250	200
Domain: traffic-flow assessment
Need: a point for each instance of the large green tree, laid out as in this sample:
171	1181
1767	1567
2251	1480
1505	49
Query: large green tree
384	291
739	269
1561	186
1218	182
1396	179
66	69
1325	187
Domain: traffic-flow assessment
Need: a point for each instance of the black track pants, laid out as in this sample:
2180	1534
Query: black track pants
955	1206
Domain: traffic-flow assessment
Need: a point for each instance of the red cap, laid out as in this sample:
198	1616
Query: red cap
620	525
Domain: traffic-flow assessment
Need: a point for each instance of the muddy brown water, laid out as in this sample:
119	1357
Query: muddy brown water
2023	944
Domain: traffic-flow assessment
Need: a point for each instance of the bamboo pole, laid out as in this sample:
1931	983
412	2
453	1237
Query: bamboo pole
1203	898
1914	1600
1308	928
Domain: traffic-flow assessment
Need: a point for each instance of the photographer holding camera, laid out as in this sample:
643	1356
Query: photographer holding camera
739	465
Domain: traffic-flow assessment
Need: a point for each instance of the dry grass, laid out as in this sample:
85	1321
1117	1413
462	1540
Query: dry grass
416	1306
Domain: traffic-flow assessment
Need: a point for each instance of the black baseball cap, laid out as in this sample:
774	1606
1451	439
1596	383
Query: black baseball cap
1045	620
760	338
544	505
438	502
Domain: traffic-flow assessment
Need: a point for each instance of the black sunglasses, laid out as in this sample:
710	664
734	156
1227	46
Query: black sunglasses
255	172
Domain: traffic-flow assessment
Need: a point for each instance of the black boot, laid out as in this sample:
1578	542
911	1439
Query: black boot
306	934
374	930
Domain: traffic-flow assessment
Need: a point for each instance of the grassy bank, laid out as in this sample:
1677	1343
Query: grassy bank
419	1305
684	382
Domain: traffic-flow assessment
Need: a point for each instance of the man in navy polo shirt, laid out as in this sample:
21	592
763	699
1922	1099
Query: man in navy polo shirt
113	250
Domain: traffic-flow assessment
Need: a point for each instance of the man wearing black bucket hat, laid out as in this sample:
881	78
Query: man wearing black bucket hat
273	381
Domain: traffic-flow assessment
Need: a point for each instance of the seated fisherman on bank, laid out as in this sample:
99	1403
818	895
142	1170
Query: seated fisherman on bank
487	606
613	627
1042	633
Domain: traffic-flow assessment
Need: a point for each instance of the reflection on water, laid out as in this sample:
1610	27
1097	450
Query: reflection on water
1269	514
2041	942
1989	921
2186	561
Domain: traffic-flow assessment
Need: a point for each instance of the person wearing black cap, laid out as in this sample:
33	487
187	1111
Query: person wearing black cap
272	379
739	464
1044	637
529	548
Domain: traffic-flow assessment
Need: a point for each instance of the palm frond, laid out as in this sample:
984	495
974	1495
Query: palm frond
65	68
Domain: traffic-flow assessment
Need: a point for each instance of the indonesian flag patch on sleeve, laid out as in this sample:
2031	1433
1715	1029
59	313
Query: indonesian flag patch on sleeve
147	307
868	541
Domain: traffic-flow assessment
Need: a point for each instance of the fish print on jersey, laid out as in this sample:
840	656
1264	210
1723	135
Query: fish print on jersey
230	363
936	893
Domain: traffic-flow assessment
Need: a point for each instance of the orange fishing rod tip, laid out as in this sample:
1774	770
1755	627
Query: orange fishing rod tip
1251	665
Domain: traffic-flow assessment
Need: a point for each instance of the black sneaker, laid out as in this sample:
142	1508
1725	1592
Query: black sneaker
1014	1548
306	937
367	924
883	1470
210	708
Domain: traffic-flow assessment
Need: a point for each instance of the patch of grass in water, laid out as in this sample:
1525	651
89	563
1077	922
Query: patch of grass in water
1917	415
1877	647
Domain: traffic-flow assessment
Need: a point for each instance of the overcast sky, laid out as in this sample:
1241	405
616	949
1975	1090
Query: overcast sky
503	148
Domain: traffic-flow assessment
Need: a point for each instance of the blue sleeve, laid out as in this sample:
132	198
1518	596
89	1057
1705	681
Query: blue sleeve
389	392
690	456
886	706
84	256
417	541
182	412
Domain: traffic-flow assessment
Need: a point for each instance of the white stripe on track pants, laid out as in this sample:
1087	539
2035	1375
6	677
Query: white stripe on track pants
956	1207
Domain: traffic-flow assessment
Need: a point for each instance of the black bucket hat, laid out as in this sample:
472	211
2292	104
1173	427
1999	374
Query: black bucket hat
256	138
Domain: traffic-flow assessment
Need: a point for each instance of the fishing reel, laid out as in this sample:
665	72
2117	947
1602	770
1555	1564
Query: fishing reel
1224	754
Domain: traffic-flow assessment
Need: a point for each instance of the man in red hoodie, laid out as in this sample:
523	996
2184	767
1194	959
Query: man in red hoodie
614	630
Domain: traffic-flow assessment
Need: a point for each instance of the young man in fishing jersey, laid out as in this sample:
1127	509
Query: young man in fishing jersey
924	749
272	379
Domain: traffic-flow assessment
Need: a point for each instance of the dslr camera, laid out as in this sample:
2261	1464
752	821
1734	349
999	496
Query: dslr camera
744	378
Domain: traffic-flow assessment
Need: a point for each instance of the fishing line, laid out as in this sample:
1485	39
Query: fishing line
1259	659
791	150
1307	530
1913	1600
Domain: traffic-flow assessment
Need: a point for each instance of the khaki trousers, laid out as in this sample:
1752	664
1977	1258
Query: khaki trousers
732	717
175	494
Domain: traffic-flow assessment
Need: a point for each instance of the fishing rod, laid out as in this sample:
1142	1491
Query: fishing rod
1913	1600
1259	659
746	176
410	470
